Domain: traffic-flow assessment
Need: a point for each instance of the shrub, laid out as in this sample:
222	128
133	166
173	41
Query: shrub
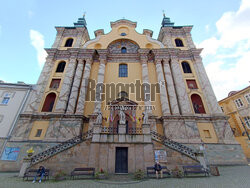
139	174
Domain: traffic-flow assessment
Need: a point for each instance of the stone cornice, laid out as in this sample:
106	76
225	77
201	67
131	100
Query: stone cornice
162	53
45	116
195	117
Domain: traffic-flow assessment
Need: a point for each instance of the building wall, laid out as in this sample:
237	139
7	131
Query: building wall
8	112
236	116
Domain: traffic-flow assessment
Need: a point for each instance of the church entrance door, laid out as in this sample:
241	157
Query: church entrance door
121	160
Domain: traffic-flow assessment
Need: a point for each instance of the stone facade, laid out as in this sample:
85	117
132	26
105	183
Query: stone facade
181	116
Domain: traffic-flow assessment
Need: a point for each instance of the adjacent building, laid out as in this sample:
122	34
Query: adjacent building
122	100
13	97
237	107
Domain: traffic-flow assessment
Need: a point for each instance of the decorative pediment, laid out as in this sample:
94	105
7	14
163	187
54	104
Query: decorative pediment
123	101
123	22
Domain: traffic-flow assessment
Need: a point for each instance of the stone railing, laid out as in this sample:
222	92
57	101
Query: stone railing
135	130
109	130
60	147
114	130
174	145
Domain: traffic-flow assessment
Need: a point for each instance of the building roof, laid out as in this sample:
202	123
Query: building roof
232	93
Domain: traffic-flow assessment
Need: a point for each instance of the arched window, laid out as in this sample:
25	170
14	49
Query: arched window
123	50
123	70
49	102
179	43
69	42
123	94
186	68
197	104
61	66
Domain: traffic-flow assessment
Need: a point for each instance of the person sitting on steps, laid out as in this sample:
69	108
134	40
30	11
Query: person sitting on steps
158	169
41	173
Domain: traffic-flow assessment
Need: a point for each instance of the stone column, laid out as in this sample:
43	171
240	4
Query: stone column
75	87
185	106
100	81
163	92
84	87
206	87
171	89
63	98
38	92
145	80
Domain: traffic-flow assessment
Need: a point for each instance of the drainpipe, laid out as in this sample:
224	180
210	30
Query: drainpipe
16	118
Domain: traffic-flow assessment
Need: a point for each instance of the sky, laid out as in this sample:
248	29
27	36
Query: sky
221	27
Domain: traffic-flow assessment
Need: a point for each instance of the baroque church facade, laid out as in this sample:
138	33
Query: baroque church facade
121	101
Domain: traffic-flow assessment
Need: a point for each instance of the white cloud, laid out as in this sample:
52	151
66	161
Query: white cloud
230	44
38	42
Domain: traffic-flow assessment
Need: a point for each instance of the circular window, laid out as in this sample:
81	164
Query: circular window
123	34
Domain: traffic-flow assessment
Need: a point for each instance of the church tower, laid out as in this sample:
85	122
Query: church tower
121	101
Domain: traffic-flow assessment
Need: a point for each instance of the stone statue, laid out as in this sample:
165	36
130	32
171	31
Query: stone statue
99	118
122	117
145	117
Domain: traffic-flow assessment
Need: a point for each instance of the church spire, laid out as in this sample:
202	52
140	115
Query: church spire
81	22
166	21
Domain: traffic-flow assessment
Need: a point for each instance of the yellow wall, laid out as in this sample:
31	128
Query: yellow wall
39	125
245	144
114	34
210	128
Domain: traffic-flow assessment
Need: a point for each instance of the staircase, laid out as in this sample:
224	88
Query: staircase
60	147
174	145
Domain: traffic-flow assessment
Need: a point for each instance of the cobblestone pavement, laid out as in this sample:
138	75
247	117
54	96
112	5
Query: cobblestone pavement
234	176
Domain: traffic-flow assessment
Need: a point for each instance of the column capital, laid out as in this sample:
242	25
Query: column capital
158	61
89	60
103	61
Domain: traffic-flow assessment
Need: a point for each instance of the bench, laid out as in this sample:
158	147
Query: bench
151	170
195	169
82	172
33	172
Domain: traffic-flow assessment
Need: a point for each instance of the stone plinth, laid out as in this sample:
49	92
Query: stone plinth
25	165
96	132
122	129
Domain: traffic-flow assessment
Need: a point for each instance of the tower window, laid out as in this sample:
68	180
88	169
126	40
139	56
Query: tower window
38	132
123	34
123	50
186	67
69	43
49	102
179	43
55	83
192	84
123	70
197	104
61	66
207	134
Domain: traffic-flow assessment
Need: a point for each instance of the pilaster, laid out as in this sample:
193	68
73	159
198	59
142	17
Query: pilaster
171	88
163	94
75	88
183	99
84	87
